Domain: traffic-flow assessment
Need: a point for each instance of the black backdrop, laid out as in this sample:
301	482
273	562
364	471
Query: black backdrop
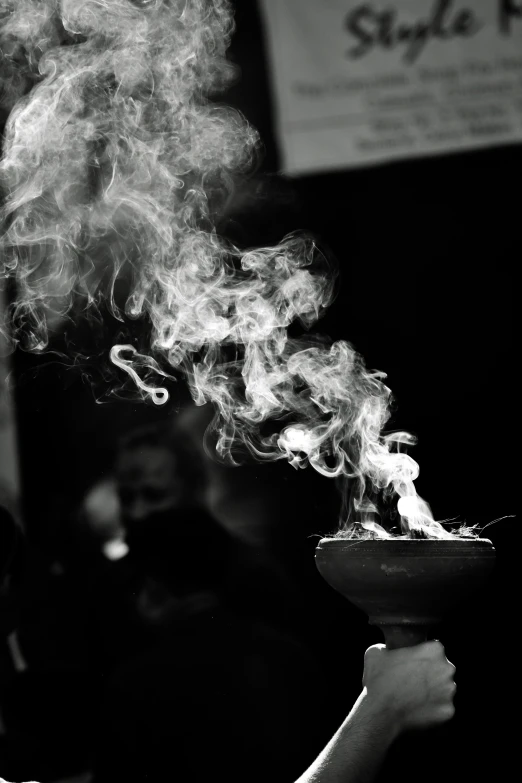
427	251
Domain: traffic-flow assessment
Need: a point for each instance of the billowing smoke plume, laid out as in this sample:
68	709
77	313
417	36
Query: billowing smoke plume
116	158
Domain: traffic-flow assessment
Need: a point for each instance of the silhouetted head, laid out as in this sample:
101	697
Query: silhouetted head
158	475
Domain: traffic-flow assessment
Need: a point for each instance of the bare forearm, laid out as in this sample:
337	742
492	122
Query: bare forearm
357	750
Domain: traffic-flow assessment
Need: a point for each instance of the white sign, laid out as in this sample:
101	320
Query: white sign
363	82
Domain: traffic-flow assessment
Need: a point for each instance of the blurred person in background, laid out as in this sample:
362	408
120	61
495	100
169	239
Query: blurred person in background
162	484
186	629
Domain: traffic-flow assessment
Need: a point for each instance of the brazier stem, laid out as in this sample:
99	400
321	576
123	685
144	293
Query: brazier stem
397	636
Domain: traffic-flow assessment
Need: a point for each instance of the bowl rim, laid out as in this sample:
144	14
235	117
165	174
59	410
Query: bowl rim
406	546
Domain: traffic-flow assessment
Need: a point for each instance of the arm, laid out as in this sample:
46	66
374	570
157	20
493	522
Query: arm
404	689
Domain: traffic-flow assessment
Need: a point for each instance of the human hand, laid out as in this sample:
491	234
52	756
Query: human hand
414	686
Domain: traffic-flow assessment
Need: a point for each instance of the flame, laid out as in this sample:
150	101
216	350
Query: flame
116	160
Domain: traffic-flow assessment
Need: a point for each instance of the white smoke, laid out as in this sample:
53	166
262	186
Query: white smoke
117	157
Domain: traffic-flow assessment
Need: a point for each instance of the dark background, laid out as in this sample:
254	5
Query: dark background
427	252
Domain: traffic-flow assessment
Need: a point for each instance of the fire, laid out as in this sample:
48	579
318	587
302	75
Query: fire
116	160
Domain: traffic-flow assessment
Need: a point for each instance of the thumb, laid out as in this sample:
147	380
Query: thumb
374	651
372	660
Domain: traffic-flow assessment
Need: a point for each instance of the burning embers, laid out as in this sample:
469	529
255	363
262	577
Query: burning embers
115	162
